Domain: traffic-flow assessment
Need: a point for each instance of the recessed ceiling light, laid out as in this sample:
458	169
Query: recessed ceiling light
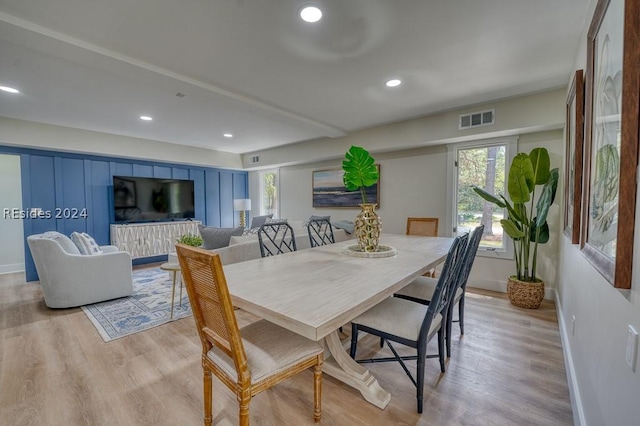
228	135
9	89
393	82
310	14
146	118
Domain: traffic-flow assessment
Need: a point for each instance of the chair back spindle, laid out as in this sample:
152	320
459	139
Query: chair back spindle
320	232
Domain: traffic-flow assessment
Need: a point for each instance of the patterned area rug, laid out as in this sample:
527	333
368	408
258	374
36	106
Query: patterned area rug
149	306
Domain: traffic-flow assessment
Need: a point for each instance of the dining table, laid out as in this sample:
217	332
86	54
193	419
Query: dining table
314	292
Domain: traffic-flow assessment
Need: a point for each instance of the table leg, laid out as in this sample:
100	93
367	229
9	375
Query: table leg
338	364
173	294
180	277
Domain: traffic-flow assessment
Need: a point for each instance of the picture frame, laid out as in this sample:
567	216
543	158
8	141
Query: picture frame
574	157
611	156
328	190
124	193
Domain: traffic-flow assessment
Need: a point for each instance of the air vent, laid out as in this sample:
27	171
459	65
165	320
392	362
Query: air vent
476	119
255	159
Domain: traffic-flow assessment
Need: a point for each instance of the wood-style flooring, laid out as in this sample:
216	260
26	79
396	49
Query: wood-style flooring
508	369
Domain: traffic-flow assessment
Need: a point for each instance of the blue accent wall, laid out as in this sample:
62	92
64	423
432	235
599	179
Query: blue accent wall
55	181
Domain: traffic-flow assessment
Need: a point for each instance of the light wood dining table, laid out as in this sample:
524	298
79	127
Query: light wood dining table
313	292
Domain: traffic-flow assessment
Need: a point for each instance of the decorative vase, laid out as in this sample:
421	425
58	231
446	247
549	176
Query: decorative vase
525	294
367	228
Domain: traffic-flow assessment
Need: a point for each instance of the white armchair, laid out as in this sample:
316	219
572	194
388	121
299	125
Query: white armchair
70	279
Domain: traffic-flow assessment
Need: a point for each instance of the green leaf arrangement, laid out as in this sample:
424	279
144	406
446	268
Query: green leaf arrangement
360	170
191	240
526	223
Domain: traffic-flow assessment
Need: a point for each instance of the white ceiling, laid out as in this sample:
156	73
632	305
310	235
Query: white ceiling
254	69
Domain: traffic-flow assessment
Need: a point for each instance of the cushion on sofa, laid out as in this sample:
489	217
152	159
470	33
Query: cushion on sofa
258	221
64	241
85	243
214	238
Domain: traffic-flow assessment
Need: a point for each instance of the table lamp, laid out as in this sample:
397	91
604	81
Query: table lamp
242	205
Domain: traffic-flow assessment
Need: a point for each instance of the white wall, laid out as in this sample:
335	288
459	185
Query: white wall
605	390
12	246
521	115
45	136
414	183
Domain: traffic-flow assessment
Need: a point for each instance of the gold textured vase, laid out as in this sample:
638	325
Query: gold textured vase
367	228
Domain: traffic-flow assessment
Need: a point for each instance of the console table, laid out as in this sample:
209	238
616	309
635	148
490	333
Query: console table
151	239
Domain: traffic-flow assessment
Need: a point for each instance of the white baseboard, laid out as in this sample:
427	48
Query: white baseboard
8	269
501	286
574	390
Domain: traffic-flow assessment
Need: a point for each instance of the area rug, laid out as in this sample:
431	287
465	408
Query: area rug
149	306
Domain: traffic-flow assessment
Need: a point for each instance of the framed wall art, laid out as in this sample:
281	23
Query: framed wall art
611	157
574	157
329	190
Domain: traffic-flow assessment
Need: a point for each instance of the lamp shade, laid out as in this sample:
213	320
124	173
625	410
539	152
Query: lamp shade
241	205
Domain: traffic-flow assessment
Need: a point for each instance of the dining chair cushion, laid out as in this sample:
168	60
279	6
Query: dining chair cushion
422	288
398	317
270	349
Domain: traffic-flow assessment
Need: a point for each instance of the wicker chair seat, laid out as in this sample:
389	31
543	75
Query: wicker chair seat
270	350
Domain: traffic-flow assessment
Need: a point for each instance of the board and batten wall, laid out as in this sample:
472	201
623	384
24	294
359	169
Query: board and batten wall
11	249
604	389
53	181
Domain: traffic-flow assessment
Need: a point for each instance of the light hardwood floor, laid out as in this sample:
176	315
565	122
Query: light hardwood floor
55	369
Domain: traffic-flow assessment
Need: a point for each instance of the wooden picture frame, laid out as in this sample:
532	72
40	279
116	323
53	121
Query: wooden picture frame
328	190
574	158
611	156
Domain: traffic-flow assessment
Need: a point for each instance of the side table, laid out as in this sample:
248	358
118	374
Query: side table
174	268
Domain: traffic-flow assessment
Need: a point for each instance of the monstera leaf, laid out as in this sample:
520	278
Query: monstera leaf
360	170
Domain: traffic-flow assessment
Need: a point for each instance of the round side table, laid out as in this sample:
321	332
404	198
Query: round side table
174	268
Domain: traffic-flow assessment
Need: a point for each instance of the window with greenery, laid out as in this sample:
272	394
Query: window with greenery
269	197
485	165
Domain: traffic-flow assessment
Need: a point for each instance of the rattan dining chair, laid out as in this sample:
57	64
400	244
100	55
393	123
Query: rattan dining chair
276	237
412	324
320	232
425	226
248	360
421	289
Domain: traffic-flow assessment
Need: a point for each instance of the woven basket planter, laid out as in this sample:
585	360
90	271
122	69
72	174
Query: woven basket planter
524	294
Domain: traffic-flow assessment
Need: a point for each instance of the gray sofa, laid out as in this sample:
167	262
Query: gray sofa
247	247
70	279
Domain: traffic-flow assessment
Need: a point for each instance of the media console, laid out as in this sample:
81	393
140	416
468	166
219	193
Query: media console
150	239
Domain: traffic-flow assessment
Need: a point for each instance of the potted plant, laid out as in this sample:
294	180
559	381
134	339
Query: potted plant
526	222
190	240
361	172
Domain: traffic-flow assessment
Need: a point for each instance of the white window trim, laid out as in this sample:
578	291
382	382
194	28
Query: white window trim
452	183
261	173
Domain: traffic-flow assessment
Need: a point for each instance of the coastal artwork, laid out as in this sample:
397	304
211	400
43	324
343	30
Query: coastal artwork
329	191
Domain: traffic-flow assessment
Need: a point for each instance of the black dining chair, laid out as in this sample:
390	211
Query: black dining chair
421	290
320	232
276	237
413	324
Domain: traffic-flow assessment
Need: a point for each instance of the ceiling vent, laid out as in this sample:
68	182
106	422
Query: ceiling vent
255	159
477	119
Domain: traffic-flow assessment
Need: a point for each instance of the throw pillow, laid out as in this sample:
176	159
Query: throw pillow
64	241
85	243
214	238
258	221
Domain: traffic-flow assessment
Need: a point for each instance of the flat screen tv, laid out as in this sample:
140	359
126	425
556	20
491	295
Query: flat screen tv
138	199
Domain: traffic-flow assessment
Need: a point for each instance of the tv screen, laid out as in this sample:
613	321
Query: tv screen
137	199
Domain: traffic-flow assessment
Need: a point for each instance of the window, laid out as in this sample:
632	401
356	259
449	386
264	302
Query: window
269	192
484	164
